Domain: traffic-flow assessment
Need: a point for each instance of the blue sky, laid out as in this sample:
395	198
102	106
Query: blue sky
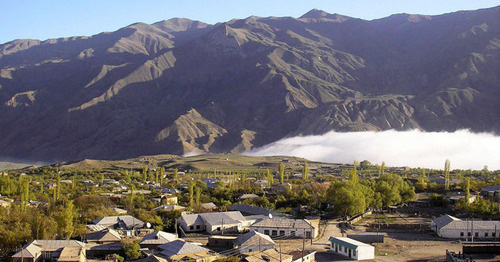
43	19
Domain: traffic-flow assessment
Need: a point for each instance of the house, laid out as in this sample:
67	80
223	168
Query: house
451	227
180	250
87	182
249	210
169	208
169	199
170	191
124	223
209	206
248	196
72	254
261	183
352	248
105	236
490	191
66	181
279	187
454	197
119	211
253	241
51	250
307	256
221	241
213	223
157	238
268	255
110	182
279	227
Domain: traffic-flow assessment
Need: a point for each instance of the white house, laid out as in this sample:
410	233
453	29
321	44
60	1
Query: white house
352	248
213	223
451	227
278	227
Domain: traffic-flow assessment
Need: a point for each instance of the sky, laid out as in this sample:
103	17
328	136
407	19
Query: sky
406	148
44	19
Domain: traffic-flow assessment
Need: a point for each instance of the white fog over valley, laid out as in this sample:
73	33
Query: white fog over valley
465	149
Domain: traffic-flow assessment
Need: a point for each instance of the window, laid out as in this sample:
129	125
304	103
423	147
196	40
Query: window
345	249
198	226
275	232
354	253
461	234
292	233
282	232
308	234
191	227
494	234
266	232
250	250
486	234
468	234
218	229
476	234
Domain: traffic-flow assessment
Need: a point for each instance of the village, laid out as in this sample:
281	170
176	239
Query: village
166	215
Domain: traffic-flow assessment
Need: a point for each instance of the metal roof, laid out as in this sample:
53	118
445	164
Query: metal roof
493	188
443	221
125	221
279	222
248	209
107	234
231	217
253	238
158	238
348	242
179	247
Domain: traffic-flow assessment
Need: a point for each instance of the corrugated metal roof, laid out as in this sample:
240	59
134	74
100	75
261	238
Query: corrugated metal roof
253	238
103	235
279	222
231	217
443	221
248	209
158	238
179	247
123	221
476	224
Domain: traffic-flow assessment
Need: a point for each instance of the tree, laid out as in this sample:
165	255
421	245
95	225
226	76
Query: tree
269	177
365	164
175	176
305	172
467	191
65	221
191	195
197	194
131	249
347	199
281	171
447	174
144	174
58	186
353	175
382	168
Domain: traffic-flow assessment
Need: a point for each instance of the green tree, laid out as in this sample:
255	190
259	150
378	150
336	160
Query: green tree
197	194
305	172
65	220
269	177
447	174
131	249
191	195
281	171
175	176
144	174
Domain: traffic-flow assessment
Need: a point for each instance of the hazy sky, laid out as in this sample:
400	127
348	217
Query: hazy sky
43	19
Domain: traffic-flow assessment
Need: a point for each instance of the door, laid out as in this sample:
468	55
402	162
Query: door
349	253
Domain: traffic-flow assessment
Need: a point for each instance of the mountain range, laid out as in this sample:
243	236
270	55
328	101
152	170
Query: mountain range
181	86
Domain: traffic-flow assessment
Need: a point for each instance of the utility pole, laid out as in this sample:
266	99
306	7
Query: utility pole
472	230
280	253
222	228
303	246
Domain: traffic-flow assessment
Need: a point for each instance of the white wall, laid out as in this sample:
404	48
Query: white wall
299	232
455	233
362	252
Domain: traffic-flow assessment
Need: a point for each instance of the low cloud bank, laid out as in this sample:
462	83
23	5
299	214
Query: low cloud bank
413	148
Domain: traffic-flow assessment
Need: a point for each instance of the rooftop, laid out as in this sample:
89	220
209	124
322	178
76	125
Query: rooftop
279	222
348	242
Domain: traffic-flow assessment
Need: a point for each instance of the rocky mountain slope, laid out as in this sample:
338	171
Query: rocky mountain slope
180	86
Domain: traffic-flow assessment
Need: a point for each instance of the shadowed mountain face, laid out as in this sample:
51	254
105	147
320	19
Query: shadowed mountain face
180	86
